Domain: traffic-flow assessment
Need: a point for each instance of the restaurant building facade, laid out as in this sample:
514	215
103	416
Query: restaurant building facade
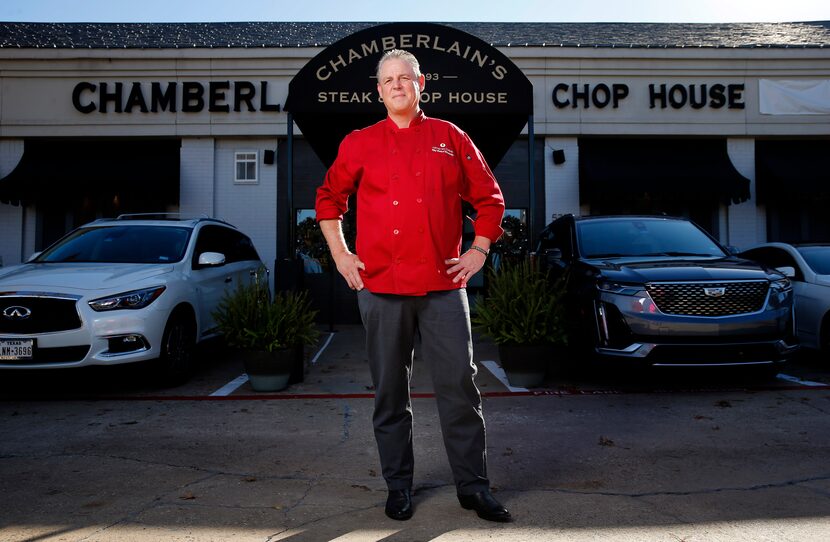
727	124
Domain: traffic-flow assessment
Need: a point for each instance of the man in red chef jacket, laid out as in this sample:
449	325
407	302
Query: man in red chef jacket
410	173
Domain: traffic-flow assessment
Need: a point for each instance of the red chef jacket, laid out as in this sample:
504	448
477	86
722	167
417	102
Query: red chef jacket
409	184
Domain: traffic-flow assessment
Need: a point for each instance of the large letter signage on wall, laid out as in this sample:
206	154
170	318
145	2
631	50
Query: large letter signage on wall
187	97
660	95
468	82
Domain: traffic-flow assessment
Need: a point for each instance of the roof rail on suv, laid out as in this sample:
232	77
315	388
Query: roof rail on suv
169	216
149	216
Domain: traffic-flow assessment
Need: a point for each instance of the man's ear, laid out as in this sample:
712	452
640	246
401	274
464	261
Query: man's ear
421	82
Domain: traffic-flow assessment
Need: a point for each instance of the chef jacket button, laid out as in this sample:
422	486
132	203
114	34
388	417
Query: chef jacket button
420	230
397	260
395	202
395	177
422	260
396	232
417	151
417	173
419	200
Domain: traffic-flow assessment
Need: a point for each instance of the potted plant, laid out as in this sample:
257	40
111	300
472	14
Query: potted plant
269	335
523	312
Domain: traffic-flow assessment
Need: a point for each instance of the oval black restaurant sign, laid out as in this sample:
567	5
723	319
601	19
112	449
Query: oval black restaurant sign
468	82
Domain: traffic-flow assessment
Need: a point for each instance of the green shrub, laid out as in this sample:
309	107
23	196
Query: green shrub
522	306
248	320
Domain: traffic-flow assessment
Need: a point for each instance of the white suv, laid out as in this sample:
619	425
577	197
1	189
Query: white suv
122	290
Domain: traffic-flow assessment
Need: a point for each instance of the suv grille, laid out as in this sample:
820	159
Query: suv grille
47	314
709	298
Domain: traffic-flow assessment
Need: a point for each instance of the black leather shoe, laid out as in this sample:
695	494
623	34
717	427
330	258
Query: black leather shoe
399	504
486	506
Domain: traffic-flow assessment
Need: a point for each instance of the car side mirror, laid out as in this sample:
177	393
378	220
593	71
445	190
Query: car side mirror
733	250
787	271
211	259
552	256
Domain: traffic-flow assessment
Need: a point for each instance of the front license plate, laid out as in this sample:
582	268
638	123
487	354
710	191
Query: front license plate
16	349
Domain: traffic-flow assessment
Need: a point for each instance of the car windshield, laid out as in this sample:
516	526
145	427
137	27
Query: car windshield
119	244
625	237
818	258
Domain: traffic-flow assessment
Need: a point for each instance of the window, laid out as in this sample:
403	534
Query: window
557	235
236	246
617	237
246	167
513	245
311	247
120	244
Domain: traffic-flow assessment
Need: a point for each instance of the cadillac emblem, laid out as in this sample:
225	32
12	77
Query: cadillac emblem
714	292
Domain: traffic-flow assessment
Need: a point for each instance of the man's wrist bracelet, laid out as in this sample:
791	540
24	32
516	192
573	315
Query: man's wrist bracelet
478	248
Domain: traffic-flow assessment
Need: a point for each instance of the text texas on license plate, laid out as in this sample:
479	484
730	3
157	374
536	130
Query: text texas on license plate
16	349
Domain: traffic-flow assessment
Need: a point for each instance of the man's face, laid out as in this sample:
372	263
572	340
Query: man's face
399	87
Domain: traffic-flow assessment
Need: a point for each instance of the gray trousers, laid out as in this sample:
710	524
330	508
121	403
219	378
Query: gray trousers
443	321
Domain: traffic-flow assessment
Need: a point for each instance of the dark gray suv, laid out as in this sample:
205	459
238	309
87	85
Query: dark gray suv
663	292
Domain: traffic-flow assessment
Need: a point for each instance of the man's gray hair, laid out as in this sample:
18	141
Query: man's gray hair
402	55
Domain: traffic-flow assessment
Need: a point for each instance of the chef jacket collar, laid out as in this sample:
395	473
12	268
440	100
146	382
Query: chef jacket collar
419	119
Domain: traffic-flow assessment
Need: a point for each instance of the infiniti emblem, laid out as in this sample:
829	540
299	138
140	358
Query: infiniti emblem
17	312
714	292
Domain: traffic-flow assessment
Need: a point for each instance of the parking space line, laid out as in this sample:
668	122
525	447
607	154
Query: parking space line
498	372
234	384
788	378
231	386
319	352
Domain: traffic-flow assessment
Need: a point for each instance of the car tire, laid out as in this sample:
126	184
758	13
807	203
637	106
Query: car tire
175	363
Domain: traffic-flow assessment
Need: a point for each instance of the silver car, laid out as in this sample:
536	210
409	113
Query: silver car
122	291
810	265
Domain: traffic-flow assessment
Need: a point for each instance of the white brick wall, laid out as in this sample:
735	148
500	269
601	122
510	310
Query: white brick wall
196	197
561	181
207	188
249	207
746	222
11	217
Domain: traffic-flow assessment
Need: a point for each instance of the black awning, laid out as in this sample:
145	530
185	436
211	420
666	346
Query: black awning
468	82
53	170
695	169
792	169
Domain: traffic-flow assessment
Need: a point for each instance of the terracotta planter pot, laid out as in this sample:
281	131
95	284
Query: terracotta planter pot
525	364
269	371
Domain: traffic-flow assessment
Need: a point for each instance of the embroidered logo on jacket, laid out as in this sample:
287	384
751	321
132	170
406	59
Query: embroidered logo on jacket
442	148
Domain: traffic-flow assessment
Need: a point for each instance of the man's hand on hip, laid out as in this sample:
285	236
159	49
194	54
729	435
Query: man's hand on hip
348	265
466	266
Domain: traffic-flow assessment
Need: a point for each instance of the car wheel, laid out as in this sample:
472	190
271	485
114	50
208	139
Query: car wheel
175	363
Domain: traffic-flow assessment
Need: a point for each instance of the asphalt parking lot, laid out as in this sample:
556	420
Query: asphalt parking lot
592	455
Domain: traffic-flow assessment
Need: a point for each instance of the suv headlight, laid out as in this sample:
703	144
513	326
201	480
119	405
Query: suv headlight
780	291
638	299
135	299
622	289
